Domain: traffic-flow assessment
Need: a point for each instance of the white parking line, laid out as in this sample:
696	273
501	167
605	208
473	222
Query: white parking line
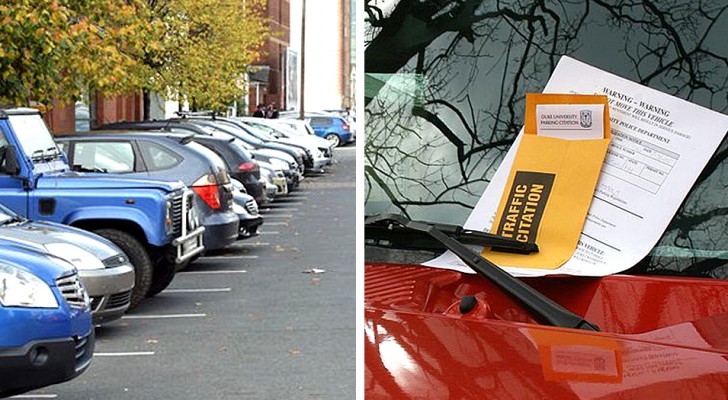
294	197
278	216
164	316
267	210
215	290
238	271
286	203
125	354
35	396
269	233
229	257
276	223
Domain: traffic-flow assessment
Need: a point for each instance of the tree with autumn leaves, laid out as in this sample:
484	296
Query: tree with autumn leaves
195	49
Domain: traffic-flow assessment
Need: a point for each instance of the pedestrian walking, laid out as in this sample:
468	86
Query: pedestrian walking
259	111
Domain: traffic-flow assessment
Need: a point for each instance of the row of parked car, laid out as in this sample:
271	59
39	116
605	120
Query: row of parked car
92	224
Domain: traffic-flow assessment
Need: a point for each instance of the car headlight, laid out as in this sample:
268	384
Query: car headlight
19	288
78	257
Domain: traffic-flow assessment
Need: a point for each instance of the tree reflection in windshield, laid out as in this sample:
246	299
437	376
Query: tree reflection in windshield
446	83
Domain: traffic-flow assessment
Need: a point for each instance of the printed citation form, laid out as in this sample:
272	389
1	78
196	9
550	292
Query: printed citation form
659	146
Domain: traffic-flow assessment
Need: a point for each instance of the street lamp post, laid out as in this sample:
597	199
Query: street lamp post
303	60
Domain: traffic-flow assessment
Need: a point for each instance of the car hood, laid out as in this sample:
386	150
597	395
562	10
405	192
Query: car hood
270	153
78	180
40	263
417	345
39	234
299	142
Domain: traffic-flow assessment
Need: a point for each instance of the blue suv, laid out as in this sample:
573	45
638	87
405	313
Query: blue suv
331	128
47	336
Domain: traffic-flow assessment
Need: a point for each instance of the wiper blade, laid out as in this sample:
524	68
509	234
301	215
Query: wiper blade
550	312
403	237
37	155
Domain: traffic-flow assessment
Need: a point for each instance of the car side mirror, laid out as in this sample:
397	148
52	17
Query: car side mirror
9	157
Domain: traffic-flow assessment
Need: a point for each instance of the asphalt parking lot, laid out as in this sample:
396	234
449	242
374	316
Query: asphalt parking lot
271	318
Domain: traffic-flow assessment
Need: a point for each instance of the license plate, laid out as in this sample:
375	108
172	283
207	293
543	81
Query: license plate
189	245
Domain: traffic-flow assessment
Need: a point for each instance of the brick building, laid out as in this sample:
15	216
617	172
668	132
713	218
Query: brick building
268	84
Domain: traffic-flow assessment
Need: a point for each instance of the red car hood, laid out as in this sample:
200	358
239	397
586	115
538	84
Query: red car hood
661	338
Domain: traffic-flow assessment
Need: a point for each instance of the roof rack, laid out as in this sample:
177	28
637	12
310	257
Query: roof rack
213	114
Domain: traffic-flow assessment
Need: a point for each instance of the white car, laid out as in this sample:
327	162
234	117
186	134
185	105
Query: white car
321	149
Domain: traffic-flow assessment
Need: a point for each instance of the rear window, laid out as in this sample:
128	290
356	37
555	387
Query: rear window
320	121
159	157
215	159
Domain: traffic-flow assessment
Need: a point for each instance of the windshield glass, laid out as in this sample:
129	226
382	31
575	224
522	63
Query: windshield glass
6	215
258	132
445	92
34	137
231	129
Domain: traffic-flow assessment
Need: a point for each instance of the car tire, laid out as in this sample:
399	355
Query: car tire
334	138
162	277
137	254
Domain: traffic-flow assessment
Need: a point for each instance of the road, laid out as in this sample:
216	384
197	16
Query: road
246	323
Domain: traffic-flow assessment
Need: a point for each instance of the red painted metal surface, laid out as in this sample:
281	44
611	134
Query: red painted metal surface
661	338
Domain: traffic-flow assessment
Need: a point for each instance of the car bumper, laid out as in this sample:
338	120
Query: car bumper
271	190
221	230
254	188
249	226
292	179
109	290
44	362
319	163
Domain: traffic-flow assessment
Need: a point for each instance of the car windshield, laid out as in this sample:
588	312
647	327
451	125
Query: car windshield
445	94
36	140
6	215
258	132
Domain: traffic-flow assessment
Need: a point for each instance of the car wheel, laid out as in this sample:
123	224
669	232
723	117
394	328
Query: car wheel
137	254
334	138
162	277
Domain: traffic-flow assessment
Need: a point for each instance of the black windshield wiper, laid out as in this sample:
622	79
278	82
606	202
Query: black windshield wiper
550	312
37	155
52	153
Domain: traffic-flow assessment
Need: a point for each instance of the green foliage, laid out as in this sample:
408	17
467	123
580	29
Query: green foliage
55	49
204	47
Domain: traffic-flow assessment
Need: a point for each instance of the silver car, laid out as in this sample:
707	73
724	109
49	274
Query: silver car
104	269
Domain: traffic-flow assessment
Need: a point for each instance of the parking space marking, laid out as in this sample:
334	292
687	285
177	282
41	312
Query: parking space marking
213	290
229	257
35	396
164	316
234	271
125	354
269	233
286	203
267	210
278	216
238	245
276	223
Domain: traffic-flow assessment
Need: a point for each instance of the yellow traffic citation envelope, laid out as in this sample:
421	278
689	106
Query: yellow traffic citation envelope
553	177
